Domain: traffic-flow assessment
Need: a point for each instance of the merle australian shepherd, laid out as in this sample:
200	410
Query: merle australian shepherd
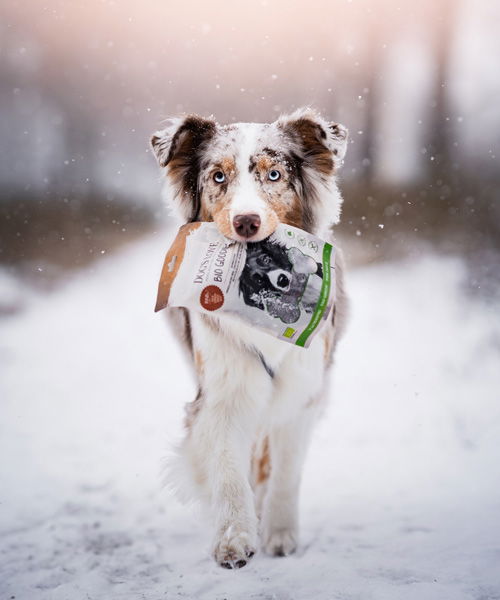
248	429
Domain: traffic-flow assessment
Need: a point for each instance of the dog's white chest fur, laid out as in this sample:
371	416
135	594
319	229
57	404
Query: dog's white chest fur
283	366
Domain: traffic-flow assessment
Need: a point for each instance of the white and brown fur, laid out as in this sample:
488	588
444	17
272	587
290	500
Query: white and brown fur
248	429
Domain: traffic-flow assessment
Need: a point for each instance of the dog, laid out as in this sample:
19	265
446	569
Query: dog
249	426
273	278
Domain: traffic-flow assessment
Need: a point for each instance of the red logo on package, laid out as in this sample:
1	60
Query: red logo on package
211	297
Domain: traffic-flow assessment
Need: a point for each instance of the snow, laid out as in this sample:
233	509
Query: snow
401	493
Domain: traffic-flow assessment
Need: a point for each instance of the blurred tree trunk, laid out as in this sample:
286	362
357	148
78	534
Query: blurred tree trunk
440	146
370	97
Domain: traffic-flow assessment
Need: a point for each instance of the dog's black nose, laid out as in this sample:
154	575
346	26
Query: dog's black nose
246	225
283	281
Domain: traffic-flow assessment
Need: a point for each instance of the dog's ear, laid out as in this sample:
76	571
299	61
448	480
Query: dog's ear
321	145
181	137
161	141
178	147
339	137
317	148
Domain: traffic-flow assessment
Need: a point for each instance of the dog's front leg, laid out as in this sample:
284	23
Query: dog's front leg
219	445
288	446
223	435
298	398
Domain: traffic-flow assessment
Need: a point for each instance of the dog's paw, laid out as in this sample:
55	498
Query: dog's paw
234	548
280	542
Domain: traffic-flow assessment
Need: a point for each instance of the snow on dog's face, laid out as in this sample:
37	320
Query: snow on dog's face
249	177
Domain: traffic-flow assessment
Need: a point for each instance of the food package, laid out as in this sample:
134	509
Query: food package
283	285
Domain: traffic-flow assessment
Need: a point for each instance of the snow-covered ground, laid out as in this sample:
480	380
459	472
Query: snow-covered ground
401	494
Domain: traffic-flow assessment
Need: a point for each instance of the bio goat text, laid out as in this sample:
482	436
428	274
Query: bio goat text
218	263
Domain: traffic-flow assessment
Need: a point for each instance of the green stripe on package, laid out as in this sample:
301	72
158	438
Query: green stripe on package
323	298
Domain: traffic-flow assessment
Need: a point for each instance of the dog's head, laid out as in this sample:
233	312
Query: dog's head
249	177
274	279
268	270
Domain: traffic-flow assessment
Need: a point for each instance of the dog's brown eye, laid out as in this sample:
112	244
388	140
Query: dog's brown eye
273	175
219	177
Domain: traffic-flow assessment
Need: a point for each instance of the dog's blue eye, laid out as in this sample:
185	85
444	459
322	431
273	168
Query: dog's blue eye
273	175
219	177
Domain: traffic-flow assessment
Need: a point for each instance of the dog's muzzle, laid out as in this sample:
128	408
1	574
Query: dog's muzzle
280	279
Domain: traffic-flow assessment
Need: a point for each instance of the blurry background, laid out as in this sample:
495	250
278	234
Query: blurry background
402	486
83	84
